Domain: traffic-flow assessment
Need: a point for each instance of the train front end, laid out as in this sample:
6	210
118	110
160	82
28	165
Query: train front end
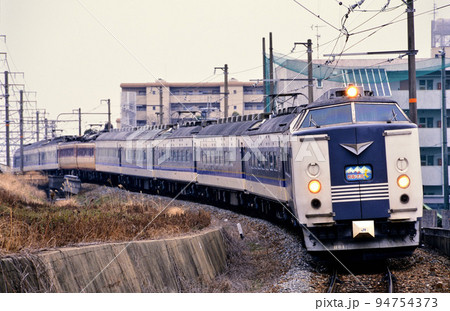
357	176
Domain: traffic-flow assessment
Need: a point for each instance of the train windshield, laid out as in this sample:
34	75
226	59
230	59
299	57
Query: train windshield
328	116
362	112
378	113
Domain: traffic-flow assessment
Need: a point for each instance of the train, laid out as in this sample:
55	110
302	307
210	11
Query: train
344	170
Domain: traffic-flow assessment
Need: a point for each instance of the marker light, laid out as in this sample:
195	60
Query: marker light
314	186
403	181
352	91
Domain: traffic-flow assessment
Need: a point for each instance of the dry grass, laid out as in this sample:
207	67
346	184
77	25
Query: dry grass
28	221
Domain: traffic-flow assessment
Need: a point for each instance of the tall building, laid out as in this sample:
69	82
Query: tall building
164	102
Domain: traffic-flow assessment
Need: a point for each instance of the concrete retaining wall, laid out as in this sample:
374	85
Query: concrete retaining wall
437	238
171	265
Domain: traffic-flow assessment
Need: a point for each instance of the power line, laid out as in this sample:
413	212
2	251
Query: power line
318	16
400	20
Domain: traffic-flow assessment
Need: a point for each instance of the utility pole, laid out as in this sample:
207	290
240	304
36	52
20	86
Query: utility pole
109	115
21	129
444	134
265	87
411	62
226	90
225	72
8	163
271	85
308	46
310	73
37	125
79	121
108	125
46	128
161	113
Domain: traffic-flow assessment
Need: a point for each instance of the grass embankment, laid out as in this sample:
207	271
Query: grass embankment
100	214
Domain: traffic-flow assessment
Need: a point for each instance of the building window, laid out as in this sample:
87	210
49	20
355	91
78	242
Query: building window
142	93
426	122
430	160
249	90
235	107
425	85
141	107
141	122
234	92
154	108
253	106
447	85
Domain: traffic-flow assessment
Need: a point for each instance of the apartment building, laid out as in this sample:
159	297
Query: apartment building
164	102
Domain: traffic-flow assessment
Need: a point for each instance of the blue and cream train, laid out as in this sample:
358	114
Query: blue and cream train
346	168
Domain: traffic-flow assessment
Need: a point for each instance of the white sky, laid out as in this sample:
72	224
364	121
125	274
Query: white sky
76	52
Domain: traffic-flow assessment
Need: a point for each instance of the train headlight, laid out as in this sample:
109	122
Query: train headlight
403	181
351	91
314	186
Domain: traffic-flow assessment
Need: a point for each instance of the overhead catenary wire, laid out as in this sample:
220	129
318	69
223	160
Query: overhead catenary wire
318	16
400	20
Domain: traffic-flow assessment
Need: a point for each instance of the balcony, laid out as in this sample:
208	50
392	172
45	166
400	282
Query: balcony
432	175
199	98
431	137
425	99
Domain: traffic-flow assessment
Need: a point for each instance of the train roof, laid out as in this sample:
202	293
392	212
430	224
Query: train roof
227	129
343	100
260	124
121	135
183	132
277	124
48	142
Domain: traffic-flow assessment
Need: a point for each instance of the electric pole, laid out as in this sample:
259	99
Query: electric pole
308	46
108	125
79	121
37	125
271	85
21	129
225	72
310	73
444	134
266	93
8	163
411	62
109	115
226	89
161	113
46	128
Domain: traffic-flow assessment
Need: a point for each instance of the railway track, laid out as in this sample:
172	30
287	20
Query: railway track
362	281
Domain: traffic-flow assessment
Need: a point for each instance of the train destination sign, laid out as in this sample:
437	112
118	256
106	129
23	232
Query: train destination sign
357	173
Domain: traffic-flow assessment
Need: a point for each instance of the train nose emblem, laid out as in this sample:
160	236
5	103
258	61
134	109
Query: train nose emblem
357	148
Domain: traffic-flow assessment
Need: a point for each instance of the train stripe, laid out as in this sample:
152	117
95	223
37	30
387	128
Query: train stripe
362	192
